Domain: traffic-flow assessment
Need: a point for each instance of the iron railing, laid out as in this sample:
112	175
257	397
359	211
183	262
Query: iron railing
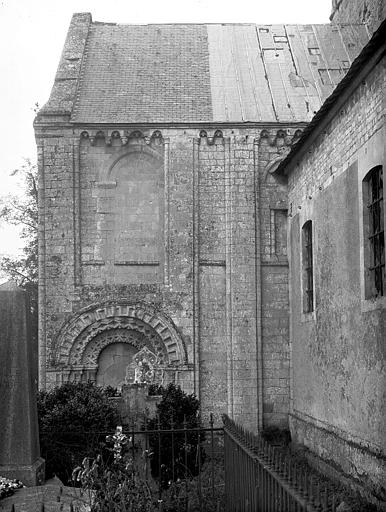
183	467
261	478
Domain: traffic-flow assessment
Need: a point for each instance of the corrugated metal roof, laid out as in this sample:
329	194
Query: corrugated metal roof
219	72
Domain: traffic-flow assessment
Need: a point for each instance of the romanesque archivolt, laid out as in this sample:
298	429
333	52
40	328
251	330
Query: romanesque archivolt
83	338
89	345
123	137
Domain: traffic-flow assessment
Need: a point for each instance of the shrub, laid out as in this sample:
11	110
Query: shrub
73	421
112	392
155	390
178	455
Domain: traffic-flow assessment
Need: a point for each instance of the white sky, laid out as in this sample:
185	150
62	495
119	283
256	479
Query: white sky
32	34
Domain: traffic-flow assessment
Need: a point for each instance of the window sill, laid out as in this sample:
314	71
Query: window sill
373	304
307	317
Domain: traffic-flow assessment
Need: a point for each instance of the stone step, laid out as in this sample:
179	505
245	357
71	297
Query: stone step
53	496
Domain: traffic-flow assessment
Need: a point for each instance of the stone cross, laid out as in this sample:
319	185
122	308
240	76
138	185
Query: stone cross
19	437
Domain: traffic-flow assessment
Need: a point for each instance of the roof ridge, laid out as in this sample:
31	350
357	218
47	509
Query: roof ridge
222	23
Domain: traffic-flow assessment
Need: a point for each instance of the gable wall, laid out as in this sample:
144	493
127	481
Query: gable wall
217	275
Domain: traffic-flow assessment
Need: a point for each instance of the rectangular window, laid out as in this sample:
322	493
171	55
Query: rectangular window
374	226
308	271
331	76
280	39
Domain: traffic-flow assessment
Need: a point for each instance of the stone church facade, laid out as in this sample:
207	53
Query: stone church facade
163	226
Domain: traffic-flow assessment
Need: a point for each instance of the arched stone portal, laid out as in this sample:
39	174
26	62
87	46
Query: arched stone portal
101	337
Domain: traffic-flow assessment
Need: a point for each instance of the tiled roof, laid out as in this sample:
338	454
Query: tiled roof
145	73
218	72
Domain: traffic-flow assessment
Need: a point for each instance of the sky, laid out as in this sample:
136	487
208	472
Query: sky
32	34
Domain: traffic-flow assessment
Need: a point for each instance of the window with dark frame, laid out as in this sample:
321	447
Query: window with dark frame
375	233
308	271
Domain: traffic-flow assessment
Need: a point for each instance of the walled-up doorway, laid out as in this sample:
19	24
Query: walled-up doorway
112	364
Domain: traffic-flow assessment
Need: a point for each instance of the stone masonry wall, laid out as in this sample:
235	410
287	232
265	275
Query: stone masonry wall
56	233
220	214
211	266
338	351
122	205
242	298
274	282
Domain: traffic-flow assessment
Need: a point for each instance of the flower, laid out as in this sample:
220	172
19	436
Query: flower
8	487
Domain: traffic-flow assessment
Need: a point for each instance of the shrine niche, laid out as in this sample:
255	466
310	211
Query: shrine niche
144	369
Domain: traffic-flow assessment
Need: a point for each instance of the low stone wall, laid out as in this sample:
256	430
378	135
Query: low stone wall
341	457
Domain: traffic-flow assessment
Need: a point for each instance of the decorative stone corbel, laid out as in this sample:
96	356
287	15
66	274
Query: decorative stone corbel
296	136
157	138
280	138
136	135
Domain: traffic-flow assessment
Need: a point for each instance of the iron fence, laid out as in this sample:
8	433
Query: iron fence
261	478
182	467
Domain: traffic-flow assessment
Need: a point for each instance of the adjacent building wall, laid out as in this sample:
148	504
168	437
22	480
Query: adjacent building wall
370	12
339	349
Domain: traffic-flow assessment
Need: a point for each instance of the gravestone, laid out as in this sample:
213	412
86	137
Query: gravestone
19	437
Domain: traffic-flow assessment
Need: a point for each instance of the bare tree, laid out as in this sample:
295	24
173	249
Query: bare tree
22	211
